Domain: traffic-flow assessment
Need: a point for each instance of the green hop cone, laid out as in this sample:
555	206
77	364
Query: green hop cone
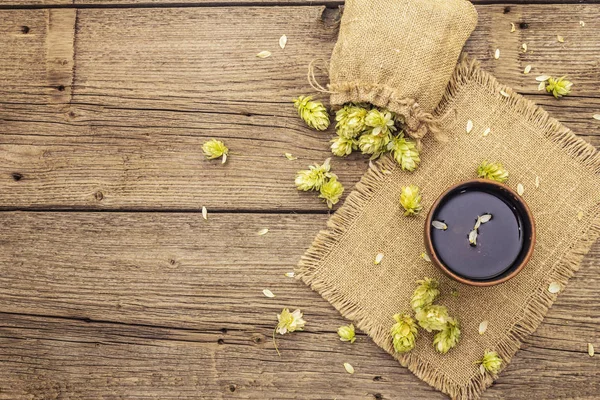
404	333
375	145
432	317
491	362
313	113
347	333
405	153
331	191
215	149
350	121
381	122
425	294
341	146
448	337
314	177
559	87
493	171
410	199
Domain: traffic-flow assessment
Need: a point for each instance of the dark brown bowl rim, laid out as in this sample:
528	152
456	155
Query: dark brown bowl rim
436	261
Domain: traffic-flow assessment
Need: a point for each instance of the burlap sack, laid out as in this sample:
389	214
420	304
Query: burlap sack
399	54
530	144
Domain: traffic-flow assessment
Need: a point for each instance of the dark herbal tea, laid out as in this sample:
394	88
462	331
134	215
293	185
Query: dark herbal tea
492	249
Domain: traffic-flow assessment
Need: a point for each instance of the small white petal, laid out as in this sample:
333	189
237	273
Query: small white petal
425	257
378	258
596	116
520	189
204	212
224	158
282	41
268	293
527	69
497	54
264	54
560	38
290	274
482	369
512	27
486	132
473	237
542	78
524	46
542	86
290	157
485	218
554	287
439	225
263	231
349	368
582	23
483	327
469	126
537	181
503	93
591	349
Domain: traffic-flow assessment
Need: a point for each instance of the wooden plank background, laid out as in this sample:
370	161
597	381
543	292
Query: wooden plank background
111	283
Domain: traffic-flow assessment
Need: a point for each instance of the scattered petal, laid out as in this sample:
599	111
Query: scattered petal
483	327
485	218
524	46
290	157
560	38
469	126
527	69
378	258
425	257
580	215
554	287
542	86
349	368
264	54
542	78
512	27
204	213
591	349
486	132
439	225
473	237
596	116
537	182
582	23
290	274
497	54
482	369
282	41
503	93
262	232
520	189
224	158
268	293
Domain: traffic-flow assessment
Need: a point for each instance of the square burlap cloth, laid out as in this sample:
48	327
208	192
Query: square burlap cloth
339	264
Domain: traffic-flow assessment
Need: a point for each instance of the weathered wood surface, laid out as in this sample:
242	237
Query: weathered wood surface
167	305
123	130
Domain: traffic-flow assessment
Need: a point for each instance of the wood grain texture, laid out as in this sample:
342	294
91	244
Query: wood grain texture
150	85
167	305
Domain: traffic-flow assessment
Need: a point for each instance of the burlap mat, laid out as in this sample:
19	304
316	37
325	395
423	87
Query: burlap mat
529	143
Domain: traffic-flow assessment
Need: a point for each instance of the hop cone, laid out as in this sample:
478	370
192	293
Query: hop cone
432	318
410	199
350	121
559	87
382	122
491	362
405	153
370	143
448	337
425	294
313	113
314	177
342	146
331	191
215	149
404	333
493	171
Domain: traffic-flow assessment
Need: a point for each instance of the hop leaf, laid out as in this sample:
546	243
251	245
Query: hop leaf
289	321
342	146
493	171
448	337
559	87
314	177
410	199
331	191
404	333
491	362
313	113
375	145
346	333
350	121
215	149
425	294
382	122
432	318
405	153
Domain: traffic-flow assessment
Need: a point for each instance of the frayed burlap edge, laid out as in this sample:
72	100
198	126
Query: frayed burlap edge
533	312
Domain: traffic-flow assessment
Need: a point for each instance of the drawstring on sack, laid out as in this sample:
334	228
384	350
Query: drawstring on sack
312	80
